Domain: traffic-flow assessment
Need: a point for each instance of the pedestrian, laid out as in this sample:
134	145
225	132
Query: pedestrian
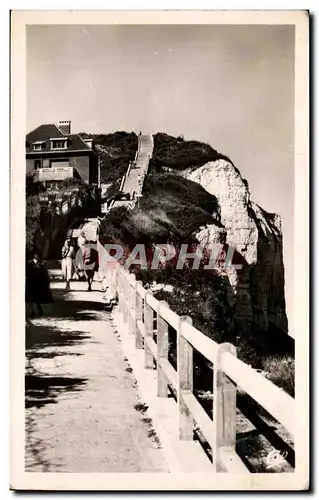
37	290
82	239
90	263
68	256
81	243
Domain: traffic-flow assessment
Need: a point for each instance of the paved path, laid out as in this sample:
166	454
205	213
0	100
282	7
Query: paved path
80	393
134	181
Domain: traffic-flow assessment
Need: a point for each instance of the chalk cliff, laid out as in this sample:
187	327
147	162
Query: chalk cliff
258	288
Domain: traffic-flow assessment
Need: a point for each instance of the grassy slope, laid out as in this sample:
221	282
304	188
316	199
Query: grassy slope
172	208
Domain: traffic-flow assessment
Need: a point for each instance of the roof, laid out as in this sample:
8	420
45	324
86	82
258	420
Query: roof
44	133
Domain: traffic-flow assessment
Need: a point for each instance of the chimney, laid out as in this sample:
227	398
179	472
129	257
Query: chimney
65	126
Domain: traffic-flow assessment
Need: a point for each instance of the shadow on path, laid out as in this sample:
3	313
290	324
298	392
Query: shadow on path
69	309
42	389
48	339
48	342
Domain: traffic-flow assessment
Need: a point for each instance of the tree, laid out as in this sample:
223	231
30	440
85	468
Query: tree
33	187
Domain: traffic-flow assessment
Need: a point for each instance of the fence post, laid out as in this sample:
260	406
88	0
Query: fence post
162	351
224	407
131	302
114	271
149	329
125	293
184	381
117	282
138	316
120	290
121	297
123	286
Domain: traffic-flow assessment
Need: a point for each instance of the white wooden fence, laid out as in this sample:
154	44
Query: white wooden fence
137	307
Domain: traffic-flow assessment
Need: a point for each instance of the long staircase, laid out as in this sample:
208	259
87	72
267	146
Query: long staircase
132	183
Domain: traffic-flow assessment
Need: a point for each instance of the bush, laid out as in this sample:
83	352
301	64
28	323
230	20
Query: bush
85	189
33	187
33	225
281	371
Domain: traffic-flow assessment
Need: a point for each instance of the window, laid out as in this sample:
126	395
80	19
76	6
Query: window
38	145
61	163
58	143
37	164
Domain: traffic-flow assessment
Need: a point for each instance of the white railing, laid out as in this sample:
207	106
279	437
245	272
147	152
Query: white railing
122	182
136	308
55	173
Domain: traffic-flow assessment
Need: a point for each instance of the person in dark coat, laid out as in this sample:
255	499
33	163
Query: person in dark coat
90	263
37	286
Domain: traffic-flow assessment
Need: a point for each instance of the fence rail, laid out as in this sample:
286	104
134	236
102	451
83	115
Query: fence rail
137	308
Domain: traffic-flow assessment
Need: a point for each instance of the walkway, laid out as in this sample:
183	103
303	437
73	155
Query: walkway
82	408
134	180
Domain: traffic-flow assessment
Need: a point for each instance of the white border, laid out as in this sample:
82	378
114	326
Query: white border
23	480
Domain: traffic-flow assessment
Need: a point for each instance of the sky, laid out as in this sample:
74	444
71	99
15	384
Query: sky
230	86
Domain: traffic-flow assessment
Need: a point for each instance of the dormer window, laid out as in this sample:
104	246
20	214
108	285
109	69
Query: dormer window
89	142
59	143
38	145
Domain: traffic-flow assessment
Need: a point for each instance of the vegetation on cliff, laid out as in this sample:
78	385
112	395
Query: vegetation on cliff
116	151
43	224
171	209
178	154
33	211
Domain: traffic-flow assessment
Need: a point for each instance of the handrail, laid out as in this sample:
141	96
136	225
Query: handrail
122	182
136	307
273	399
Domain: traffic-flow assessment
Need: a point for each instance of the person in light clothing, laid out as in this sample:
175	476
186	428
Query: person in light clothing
68	255
82	240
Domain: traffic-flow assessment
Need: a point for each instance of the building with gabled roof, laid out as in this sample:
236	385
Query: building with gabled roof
53	155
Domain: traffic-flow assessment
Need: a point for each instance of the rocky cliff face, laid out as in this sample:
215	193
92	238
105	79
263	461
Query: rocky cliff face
258	288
